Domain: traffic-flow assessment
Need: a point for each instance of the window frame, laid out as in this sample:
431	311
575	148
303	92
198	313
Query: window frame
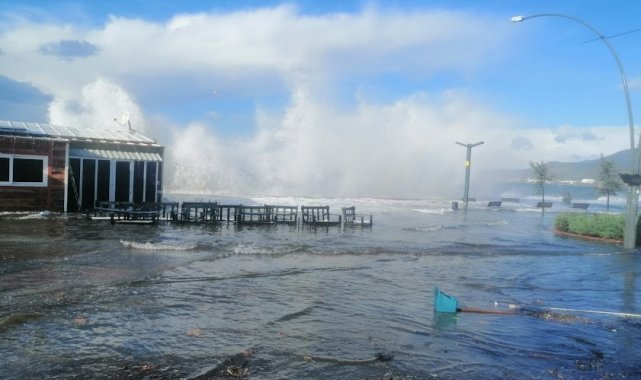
45	170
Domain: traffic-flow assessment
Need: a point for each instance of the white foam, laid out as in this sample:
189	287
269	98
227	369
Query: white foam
163	246
425	229
500	222
38	215
250	249
439	211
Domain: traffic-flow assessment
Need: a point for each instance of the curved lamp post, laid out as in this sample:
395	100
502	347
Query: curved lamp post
633	180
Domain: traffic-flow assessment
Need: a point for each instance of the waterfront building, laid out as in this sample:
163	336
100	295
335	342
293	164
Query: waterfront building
46	167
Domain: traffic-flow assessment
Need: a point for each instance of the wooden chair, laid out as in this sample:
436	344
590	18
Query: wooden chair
350	218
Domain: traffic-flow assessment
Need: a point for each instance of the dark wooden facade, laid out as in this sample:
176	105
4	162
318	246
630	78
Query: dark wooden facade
49	195
46	167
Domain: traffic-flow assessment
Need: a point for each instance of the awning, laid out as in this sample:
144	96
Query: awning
102	154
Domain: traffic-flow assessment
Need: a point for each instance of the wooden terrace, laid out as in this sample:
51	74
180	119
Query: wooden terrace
128	212
214	213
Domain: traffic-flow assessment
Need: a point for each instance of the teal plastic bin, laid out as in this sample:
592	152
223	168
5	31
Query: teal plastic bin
444	303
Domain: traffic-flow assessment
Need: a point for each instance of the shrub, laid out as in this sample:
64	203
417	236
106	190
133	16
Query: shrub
609	226
599	225
562	222
582	224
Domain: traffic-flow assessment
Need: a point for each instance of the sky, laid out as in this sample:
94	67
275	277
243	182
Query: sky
329	98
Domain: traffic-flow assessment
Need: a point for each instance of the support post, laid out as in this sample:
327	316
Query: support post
468	164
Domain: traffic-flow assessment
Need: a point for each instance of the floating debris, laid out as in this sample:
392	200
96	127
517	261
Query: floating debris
195	332
80	321
383	356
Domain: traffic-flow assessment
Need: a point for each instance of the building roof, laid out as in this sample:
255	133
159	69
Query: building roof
112	154
90	134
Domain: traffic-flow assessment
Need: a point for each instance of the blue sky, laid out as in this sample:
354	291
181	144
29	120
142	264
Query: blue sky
275	78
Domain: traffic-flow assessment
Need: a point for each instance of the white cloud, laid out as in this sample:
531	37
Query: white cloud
404	147
520	142
232	51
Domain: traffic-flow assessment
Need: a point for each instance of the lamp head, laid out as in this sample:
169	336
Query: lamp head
517	18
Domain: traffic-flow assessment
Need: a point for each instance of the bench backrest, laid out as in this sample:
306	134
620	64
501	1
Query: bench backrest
348	214
199	211
315	213
284	213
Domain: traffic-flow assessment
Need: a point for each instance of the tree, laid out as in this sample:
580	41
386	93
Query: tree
609	182
541	176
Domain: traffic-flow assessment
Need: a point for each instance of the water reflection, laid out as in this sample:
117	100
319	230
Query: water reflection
444	321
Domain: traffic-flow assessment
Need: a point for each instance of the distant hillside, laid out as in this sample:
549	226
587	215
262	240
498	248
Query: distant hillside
576	171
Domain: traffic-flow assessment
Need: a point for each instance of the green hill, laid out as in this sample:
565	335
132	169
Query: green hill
576	171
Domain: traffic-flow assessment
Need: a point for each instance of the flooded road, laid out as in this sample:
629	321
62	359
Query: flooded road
85	299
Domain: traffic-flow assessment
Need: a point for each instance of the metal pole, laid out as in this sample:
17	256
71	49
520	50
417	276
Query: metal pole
468	164
632	204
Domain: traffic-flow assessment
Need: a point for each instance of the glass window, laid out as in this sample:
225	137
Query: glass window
18	170
4	169
28	170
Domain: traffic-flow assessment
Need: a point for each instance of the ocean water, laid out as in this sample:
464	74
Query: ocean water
85	299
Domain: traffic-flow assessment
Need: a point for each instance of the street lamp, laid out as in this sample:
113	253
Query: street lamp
468	163
632	204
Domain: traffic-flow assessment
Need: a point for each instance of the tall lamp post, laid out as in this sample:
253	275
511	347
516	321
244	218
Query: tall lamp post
632	180
468	163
